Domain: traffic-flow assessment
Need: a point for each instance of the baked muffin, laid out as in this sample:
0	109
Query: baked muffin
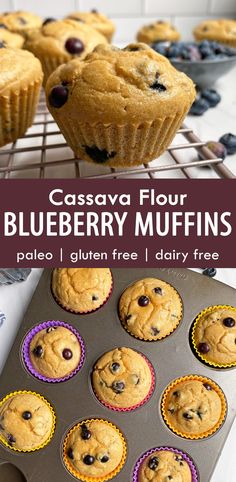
222	30
26	421
81	290
20	81
97	20
119	107
94	449
214	335
10	39
193	407
21	22
158	32
150	309
164	465
123	379
62	40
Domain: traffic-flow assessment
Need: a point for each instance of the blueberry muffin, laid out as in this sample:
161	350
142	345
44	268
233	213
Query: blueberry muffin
193	407
94	449
214	335
150	309
55	352
10	39
222	30
21	22
62	40
158	32
20	81
122	379
97	20
119	107
164	465
81	290
26	421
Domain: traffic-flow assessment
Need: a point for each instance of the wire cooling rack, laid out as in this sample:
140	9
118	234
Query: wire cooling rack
43	153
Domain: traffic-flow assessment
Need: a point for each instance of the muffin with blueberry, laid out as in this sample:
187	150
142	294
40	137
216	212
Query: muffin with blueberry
123	379
221	30
21	22
194	407
158	32
94	450
119	107
81	290
20	81
150	309
164	465
62	40
97	20
214	335
27	421
10	39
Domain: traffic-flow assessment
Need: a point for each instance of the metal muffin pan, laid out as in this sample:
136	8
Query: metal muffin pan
102	331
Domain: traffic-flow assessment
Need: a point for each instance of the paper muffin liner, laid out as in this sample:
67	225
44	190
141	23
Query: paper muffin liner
162	337
44	444
217	389
26	350
186	457
50	63
207	311
85	478
140	404
134	144
18	110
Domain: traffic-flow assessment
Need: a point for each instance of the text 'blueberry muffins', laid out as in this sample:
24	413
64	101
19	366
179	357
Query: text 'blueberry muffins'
21	22
27	421
194	407
94	450
20	81
222	30
214	336
158	32
150	309
123	379
119	107
81	290
97	20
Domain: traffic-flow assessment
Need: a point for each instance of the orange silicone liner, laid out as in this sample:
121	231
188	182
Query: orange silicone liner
85	478
164	409
207	311
22	392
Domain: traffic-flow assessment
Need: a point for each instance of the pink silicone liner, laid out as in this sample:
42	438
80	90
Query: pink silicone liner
26	350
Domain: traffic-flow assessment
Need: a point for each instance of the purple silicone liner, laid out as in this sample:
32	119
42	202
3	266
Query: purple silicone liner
187	459
26	350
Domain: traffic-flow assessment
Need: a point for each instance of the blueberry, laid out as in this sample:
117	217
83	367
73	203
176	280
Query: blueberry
203	348
94	298
94	10
229	141
70	453
187	416
88	460
154	331
85	432
2	45
118	387
173	51
128	317
58	96
160	48
229	322
50	329
143	301
74	46
3	26
26	415
207	386
49	20
67	354
217	148
158	291
115	367
199	107
104	459
153	463
22	20
38	351
211	272
212	97
176	393
99	155
11	439
157	86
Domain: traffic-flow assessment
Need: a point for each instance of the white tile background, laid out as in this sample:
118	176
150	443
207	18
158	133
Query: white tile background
129	15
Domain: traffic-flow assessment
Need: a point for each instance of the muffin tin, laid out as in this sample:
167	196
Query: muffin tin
74	400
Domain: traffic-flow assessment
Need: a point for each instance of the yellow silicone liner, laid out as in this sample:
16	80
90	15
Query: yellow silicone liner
85	478
207	311
217	389
22	392
171	331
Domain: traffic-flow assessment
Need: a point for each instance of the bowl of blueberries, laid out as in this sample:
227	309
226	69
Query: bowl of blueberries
204	62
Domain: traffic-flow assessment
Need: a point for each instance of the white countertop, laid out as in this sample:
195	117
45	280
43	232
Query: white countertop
21	293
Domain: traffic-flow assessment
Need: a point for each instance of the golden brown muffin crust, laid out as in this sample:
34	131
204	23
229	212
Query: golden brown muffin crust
158	31
20	21
97	20
18	69
10	39
222	30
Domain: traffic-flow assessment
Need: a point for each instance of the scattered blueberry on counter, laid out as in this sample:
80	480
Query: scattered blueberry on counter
211	272
199	106
229	141
206	98
217	148
211	96
194	51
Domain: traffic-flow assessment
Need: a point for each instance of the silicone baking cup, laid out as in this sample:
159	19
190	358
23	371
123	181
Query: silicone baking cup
41	446
201	356
82	477
26	350
193	469
217	389
133	407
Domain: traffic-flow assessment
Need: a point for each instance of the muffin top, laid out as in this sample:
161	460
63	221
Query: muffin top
20	22
193	407
10	39
158	31
222	29
164	465
94	448
117	85
26	421
96	19
55	352
150	309
81	289
67	38
122	378
18	68
215	335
